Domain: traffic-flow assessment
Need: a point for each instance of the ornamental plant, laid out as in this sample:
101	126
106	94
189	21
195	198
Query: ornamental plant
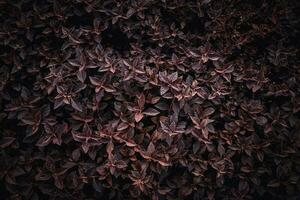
149	99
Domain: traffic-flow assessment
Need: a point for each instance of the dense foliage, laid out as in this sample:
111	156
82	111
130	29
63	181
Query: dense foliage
149	99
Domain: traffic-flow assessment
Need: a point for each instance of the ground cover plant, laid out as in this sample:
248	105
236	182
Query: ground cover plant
149	99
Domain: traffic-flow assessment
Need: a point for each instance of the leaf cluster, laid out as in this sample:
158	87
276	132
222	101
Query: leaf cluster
149	99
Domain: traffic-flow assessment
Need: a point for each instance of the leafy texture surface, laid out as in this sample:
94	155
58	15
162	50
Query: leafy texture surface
149	99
